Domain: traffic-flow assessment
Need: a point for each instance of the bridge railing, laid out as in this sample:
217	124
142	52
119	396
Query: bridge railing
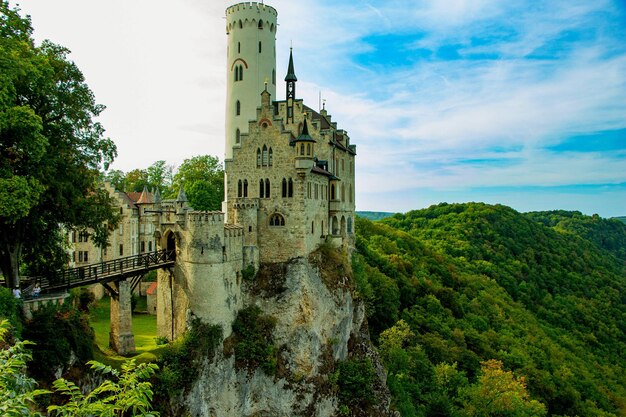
106	271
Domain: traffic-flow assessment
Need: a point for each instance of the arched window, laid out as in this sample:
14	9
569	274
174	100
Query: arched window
260	47
238	108
308	149
258	157
260	24
261	188
239	189
302	149
245	188
271	157
349	225
238	47
267	188
332	191
350	195
277	220
238	136
240	25
290	194
264	161
343	193
284	188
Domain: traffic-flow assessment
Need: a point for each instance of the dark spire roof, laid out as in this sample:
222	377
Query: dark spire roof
304	136
291	73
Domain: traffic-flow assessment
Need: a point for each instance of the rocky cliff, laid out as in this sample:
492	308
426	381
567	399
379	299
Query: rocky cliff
318	360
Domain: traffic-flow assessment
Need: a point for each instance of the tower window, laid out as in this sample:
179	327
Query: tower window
260	26
261	188
302	149
277	220
308	149
240	189
238	136
264	161
267	188
240	25
271	158
290	190
238	108
258	157
238	47
284	188
260	47
245	188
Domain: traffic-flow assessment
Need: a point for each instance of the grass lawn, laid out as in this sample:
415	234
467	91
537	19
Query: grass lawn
144	330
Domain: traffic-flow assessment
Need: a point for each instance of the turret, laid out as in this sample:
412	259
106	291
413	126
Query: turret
305	149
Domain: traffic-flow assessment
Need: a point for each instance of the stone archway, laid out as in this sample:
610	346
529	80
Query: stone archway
170	243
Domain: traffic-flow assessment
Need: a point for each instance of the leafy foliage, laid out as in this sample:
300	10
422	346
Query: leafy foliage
202	178
9	309
17	391
252	332
51	150
57	333
128	391
453	286
355	380
180	362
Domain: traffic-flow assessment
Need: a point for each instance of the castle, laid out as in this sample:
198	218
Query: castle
289	181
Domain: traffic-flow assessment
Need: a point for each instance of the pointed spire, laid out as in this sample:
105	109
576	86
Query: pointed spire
291	73
156	198
145	196
182	198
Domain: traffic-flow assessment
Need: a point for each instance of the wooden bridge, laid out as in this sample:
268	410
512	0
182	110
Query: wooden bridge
133	267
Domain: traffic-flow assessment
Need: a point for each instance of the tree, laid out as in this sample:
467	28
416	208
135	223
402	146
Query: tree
202	178
499	393
51	150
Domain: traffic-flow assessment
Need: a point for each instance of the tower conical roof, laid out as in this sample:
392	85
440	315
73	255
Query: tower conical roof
291	73
145	197
304	136
181	196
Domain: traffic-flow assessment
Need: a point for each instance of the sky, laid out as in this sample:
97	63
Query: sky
516	102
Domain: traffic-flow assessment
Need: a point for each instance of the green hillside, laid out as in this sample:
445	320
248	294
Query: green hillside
453	289
374	215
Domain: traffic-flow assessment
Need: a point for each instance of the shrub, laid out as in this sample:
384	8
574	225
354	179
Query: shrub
356	379
57	332
180	362
254	347
248	273
9	307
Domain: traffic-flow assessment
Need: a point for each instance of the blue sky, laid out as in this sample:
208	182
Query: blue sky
512	102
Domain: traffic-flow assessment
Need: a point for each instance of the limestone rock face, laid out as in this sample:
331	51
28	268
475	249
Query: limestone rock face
315	329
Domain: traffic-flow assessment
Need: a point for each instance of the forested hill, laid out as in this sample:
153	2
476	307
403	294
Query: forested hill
481	310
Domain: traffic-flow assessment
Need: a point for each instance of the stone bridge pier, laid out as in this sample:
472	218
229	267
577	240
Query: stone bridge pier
121	337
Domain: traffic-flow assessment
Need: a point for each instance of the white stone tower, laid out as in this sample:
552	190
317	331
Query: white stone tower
251	63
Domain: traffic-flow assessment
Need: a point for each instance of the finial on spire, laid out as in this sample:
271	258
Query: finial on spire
291	73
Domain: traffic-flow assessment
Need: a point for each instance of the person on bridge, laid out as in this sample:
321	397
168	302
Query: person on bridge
17	293
36	290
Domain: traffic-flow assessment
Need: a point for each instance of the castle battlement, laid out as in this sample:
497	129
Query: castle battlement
251	6
205	217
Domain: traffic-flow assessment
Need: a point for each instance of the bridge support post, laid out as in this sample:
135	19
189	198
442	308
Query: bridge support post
121	337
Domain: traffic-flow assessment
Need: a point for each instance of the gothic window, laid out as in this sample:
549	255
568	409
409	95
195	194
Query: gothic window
271	157
261	188
290	193
264	162
302	149
260	26
240	189
350	225
308	149
350	195
332	192
258	157
245	188
284	188
343	193
238	108
240	25
238	136
277	220
238	47
267	188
